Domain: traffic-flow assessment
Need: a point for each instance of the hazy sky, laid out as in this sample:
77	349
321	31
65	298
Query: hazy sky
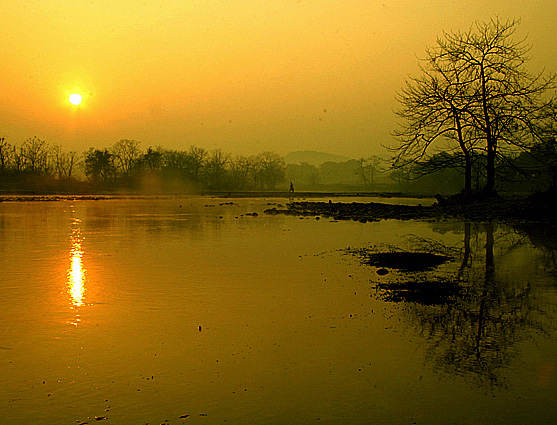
241	75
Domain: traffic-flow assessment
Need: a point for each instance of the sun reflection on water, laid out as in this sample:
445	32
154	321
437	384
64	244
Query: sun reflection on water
76	273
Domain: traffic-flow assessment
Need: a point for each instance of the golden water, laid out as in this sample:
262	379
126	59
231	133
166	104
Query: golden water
140	311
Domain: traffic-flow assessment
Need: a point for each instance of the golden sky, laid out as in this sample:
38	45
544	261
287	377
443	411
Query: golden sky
241	75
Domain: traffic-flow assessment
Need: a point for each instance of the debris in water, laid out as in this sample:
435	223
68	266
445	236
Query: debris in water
421	291
405	261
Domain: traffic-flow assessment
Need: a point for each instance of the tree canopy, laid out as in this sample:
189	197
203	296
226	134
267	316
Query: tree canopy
476	98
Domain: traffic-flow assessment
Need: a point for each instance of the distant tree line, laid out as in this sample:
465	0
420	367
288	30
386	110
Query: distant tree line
363	174
36	166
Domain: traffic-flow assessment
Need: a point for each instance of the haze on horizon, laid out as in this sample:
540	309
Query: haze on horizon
241	75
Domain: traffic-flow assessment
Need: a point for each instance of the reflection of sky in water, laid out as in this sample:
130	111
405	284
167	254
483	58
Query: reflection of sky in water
76	272
288	320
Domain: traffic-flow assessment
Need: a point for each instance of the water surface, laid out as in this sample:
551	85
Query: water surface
140	311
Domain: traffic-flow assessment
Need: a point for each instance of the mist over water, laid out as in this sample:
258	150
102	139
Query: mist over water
140	311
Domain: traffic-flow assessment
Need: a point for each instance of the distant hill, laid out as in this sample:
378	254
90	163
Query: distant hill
313	157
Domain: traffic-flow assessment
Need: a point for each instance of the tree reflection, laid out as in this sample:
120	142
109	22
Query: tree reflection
475	333
475	336
466	257
543	237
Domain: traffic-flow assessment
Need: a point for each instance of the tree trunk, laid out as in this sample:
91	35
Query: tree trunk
491	143
467	174
466	152
489	188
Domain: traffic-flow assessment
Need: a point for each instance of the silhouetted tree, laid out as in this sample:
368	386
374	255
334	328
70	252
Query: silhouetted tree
196	158
402	176
18	158
35	154
64	163
269	169
368	169
215	169
126	155
432	110
303	174
153	159
544	153
175	160
345	172
99	165
508	100
4	155
474	90
240	170
362	173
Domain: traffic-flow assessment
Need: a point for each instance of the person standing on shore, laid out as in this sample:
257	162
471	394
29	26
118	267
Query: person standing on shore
291	192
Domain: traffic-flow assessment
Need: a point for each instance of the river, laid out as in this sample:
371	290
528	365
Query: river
206	310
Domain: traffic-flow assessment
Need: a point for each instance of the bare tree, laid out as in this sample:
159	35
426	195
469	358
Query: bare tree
35	154
362	171
5	154
126	156
175	160
196	158
475	90
432	109
18	158
63	163
269	169
153	158
240	169
508	100
216	169
368	168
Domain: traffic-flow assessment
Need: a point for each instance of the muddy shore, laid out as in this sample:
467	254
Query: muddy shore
42	197
535	210
488	210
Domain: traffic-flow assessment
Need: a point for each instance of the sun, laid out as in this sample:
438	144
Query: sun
75	99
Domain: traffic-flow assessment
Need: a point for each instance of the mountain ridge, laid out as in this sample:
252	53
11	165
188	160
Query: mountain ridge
313	157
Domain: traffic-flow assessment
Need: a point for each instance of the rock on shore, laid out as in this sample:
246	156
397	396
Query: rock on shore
485	210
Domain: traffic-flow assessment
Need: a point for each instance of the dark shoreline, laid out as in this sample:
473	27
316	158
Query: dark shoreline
496	209
44	197
509	211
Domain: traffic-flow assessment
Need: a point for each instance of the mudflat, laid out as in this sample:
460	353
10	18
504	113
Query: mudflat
497	209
